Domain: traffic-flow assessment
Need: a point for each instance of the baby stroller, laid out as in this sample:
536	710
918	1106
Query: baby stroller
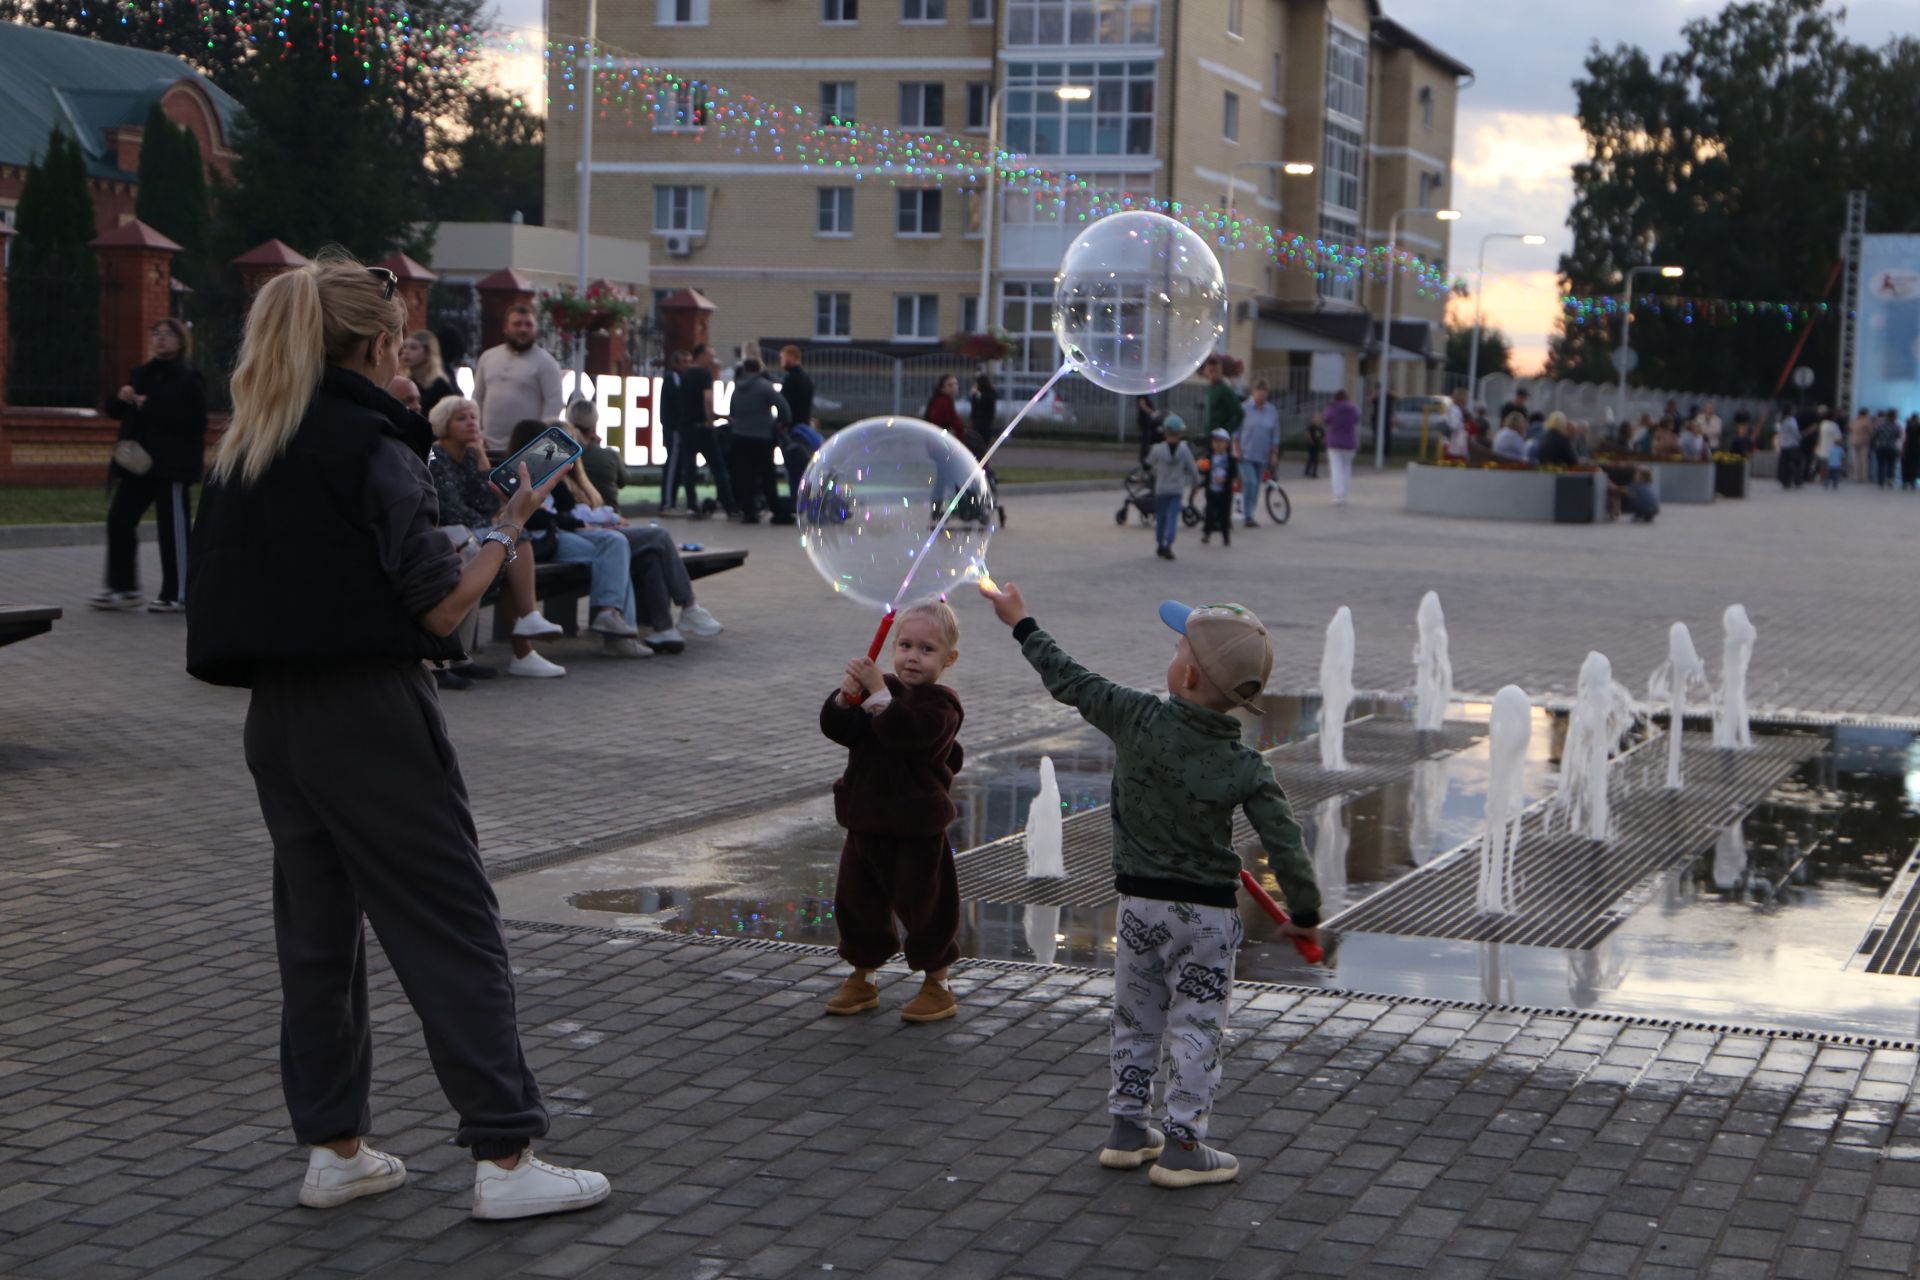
1139	496
967	510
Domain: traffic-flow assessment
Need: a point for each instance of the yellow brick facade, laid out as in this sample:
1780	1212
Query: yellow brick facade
757	249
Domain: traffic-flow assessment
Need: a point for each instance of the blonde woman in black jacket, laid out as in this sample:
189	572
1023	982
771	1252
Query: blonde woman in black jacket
324	582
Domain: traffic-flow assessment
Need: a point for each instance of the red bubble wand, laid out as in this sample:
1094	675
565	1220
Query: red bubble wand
1309	949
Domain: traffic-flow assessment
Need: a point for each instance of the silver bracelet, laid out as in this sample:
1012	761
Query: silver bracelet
494	535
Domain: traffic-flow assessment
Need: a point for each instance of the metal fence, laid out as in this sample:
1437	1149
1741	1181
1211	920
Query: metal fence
850	383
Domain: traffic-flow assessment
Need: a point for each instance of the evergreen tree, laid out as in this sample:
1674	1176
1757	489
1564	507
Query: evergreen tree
1732	158
173	193
53	283
1496	350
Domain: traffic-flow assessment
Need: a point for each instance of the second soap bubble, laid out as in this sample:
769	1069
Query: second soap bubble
1139	303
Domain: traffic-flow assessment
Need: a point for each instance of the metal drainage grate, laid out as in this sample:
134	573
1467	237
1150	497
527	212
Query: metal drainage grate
1572	892
1381	751
1894	941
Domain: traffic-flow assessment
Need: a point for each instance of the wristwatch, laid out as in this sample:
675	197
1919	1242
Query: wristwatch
505	540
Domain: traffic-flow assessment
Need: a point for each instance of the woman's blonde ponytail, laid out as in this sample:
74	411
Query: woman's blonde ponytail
300	320
281	358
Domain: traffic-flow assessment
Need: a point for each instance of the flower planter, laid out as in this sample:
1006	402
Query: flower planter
1730	479
1683	481
1577	497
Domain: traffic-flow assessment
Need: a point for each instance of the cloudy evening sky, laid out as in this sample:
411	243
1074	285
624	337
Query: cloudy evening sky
1517	139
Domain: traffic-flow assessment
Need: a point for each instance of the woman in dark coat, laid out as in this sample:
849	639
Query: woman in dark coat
162	410
986	404
1910	454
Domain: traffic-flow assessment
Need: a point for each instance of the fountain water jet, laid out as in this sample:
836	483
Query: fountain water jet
1669	683
1330	841
1045	859
1042	927
1336	690
1730	727
1509	729
1432	668
1602	712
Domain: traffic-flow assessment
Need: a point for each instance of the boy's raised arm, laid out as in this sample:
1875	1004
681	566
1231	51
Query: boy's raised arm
1273	821
1101	702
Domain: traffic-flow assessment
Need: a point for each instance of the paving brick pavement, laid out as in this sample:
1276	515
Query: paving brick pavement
141	1131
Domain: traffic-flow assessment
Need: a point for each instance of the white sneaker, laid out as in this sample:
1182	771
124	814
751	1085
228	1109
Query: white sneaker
668	641
696	621
669	511
624	647
332	1181
116	599
535	667
535	625
533	1187
608	622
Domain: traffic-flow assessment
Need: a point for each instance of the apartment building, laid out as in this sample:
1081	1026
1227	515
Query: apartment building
1180	100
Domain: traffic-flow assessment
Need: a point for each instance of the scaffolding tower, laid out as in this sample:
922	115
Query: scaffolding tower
1849	301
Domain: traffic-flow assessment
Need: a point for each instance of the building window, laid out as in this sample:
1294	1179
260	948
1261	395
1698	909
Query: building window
916	317
1236	17
917	211
1026	313
680	13
979	103
1340	168
923	10
1117	120
681	105
1230	119
682	209
839	10
923	105
970	202
1347	76
836	212
1342	283
970	314
1042	205
837	104
979	10
1426	107
1081	22
832	315
1431	185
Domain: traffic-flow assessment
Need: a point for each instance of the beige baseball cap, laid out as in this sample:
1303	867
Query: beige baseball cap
1229	645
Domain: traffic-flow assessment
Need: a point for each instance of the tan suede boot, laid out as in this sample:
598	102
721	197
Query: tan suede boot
856	995
933	1004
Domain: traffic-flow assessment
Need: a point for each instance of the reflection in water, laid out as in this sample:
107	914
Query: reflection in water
1729	858
1428	809
1043	932
1330	841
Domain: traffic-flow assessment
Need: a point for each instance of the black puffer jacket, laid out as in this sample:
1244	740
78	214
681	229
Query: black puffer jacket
172	425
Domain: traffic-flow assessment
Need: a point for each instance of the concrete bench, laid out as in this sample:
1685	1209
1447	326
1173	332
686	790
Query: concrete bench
561	587
23	621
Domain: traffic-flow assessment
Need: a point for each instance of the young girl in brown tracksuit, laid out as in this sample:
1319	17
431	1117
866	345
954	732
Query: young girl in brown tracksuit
895	802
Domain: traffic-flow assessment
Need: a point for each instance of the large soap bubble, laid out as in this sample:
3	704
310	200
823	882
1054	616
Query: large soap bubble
1139	303
874	492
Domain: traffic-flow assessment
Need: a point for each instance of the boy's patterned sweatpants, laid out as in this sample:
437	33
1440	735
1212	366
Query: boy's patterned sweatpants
1172	978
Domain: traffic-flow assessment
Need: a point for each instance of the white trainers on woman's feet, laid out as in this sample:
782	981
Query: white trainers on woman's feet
333	1181
696	621
535	667
533	1187
608	622
536	624
624	647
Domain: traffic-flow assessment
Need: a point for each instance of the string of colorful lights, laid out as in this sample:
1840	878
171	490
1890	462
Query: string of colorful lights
1712	312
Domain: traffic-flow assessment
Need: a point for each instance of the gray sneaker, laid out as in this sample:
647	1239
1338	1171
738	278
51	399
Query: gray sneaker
1130	1145
116	600
1190	1164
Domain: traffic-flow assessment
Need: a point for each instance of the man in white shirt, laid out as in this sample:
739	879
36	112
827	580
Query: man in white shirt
1787	440
1710	425
515	381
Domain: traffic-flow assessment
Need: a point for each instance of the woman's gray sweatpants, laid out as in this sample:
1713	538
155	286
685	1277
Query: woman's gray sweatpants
362	795
1172	978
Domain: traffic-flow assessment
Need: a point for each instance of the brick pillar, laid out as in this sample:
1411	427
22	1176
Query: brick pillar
503	289
136	276
414	282
6	233
685	316
265	261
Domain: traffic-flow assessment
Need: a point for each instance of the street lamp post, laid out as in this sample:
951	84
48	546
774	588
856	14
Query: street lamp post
1293	169
1386	326
585	196
1625	345
1479	297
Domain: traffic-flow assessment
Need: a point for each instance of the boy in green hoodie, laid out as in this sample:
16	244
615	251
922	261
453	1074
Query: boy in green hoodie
1179	773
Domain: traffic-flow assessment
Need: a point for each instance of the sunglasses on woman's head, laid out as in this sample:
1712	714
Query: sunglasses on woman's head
387	280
